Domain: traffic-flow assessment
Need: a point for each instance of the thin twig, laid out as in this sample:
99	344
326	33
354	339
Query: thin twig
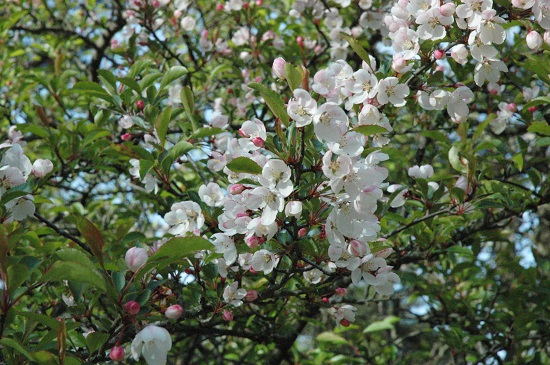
63	233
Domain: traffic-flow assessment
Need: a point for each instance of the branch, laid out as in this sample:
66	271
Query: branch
63	233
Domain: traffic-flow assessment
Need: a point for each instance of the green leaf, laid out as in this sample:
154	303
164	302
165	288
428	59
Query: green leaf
541	100
361	52
177	248
17	346
518	161
131	83
460	164
172	74
180	149
74	255
244	164
369	130
95	340
205	132
461	250
540	127
93	237
93	89
162	124
144	167
331	337
385	324
73	271
293	76
188	99
273	101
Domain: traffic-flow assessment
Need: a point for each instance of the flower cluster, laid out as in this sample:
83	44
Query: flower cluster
15	170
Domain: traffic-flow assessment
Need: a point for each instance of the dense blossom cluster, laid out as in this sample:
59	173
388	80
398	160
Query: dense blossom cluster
338	100
15	170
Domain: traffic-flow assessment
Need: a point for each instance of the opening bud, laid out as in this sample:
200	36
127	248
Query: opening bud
117	353
174	311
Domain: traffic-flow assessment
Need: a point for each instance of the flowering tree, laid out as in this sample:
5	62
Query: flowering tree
299	181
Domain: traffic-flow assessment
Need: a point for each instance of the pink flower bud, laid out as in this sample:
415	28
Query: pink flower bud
278	67
177	14
439	68
358	248
219	7
117	353
41	168
439	54
447	9
534	40
302	232
258	142
135	258
236	189
251	295
532	109
243	133
340	291
126	137
344	322
259	2
140	104
253	241
512	107
227	315
174	311
546	37
318	49
246	5
300	40
156	3
132	307
398	64
324	300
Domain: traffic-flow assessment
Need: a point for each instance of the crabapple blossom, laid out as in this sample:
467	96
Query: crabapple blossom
226	246
184	217
153	343
422	172
233	295
489	70
211	194
344	314
459	53
399	199
293	209
432	24
330	122
302	107
264	260
390	91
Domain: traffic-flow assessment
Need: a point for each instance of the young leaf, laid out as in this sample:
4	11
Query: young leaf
172	74
244	164
273	101
93	237
369	130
